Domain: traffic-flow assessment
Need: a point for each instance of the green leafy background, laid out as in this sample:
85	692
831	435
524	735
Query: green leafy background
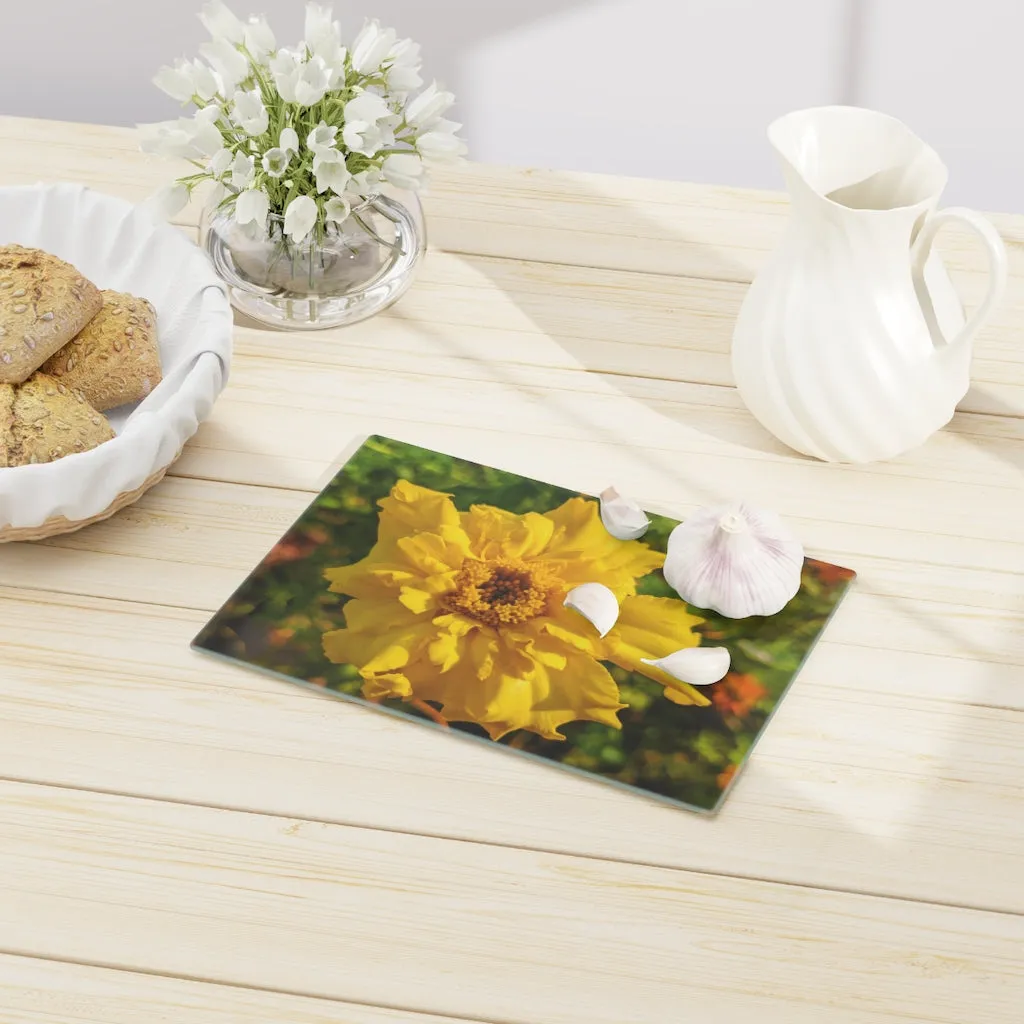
276	619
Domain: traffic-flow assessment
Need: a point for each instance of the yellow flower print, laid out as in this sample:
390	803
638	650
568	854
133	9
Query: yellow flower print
464	610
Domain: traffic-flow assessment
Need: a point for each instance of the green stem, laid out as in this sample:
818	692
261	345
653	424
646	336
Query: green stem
393	246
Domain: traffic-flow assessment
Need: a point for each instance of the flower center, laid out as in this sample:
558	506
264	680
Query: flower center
502	591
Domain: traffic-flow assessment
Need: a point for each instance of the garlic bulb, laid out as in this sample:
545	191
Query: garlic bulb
736	559
596	603
622	517
698	666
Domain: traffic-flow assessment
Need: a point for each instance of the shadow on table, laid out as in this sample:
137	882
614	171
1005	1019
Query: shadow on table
700	403
884	816
884	778
598	316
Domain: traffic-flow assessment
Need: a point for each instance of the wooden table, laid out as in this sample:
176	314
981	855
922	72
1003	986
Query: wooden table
189	841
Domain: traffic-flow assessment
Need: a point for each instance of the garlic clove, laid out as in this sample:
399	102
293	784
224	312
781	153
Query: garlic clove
623	518
596	603
736	559
698	666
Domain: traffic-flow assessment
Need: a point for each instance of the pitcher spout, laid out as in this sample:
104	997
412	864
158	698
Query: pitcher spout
857	159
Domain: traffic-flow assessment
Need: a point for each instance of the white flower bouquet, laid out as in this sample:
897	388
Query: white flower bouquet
294	139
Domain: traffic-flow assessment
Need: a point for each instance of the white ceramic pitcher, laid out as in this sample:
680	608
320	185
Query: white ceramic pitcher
852	344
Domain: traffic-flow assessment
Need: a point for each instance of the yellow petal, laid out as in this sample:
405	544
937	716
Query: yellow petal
681	693
512	705
377	617
482	649
369	578
583	691
577	527
414	509
388	568
588	553
451	642
534	696
422	594
416	600
430	554
553	657
419	535
444	651
455	624
393	685
494	532
378	637
459	690
368	653
570	629
653	627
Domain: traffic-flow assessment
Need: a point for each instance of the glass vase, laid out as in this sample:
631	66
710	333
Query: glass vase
345	274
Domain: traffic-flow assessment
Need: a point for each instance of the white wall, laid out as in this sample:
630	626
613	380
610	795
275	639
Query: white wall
658	88
953	70
662	88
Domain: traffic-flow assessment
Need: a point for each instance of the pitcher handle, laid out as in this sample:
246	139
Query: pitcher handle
997	269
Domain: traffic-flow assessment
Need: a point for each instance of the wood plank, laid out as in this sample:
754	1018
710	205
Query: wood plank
882	772
640	320
100	156
674	446
331	387
511	935
36	991
622	322
942	593
422	345
661	227
180	545
844	513
660	434
910	734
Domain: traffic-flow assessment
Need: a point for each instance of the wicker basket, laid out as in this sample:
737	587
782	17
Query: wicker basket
57	525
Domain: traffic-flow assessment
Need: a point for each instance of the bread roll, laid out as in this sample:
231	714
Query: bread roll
44	303
115	359
42	420
6	422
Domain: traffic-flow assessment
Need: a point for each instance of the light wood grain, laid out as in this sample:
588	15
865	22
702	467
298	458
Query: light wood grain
674	448
662	227
34	991
569	217
624	322
618	304
181	546
100	156
463	929
455	324
633	431
692	436
576	328
864	781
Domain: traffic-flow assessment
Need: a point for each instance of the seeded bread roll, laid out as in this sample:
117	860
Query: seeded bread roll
42	420
6	422
44	303
115	359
